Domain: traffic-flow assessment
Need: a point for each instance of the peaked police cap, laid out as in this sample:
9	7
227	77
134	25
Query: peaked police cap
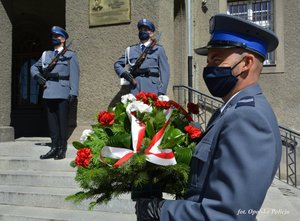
229	31
147	23
59	31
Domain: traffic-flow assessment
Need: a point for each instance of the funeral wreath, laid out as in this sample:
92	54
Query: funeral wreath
144	139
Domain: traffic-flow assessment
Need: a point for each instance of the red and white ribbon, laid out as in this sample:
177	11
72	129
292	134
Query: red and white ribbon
156	155
153	153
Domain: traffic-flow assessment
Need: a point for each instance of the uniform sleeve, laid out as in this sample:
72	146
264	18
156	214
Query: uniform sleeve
164	70
241	173
119	65
74	75
36	67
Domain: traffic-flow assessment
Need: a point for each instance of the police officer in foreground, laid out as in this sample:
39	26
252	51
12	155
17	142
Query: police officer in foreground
154	73
60	89
235	162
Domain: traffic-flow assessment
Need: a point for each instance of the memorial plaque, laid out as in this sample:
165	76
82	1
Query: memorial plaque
107	12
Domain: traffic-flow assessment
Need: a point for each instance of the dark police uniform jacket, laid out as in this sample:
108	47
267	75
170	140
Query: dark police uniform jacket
67	71
156	62
231	183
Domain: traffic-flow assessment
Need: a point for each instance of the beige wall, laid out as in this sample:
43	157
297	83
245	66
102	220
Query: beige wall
99	47
283	89
6	132
200	39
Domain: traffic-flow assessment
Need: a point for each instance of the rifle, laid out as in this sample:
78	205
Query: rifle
41	78
52	64
133	69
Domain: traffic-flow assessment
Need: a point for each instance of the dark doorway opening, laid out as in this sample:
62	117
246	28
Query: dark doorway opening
32	21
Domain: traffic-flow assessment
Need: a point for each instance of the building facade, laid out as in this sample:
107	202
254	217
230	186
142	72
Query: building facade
25	27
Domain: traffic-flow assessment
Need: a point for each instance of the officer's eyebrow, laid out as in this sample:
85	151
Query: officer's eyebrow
215	57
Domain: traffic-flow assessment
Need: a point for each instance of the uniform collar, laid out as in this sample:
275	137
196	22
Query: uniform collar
146	43
251	90
224	106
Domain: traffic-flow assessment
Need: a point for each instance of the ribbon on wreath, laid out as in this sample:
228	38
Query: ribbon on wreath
154	154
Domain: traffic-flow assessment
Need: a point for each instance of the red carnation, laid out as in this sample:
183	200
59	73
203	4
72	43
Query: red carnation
152	96
194	132
106	118
145	97
83	157
142	97
163	104
193	108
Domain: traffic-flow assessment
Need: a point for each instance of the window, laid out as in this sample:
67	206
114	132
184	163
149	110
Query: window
259	12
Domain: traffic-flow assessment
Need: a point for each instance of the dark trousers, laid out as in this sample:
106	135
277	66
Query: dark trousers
57	111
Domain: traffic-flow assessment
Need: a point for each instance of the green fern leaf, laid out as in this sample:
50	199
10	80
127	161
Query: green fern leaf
78	145
122	140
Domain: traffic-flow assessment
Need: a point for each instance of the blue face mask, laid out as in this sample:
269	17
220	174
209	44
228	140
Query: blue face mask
219	80
144	35
56	41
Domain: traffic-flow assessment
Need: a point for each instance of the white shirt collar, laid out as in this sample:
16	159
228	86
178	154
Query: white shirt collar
59	49
146	43
223	107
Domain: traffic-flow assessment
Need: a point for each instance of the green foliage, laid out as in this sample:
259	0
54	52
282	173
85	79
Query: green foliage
122	140
172	138
184	154
78	145
100	181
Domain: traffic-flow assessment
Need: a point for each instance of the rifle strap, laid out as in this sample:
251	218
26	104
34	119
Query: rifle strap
127	56
55	59
127	51
43	59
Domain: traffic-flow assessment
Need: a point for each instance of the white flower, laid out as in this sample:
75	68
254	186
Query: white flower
128	98
85	134
138	106
163	98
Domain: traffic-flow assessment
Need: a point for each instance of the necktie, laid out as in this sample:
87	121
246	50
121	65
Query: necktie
55	52
143	47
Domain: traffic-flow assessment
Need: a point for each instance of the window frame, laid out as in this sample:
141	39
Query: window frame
278	28
247	9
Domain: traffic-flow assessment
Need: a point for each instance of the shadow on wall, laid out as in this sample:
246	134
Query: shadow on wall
125	89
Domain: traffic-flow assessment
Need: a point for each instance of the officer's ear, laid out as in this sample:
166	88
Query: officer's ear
248	62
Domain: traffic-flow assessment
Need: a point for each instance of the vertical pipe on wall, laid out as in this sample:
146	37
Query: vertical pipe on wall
190	57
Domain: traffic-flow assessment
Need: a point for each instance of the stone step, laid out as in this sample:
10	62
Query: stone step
34	163
29	149
38	178
47	197
25	213
291	193
277	206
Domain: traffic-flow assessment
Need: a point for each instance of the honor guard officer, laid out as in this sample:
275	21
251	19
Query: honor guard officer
58	72
154	73
236	160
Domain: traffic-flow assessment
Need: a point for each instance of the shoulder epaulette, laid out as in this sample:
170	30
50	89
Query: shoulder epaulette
246	101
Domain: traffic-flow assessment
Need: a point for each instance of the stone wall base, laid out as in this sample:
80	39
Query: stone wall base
7	134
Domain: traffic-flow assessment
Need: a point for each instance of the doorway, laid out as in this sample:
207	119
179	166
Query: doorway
32	21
